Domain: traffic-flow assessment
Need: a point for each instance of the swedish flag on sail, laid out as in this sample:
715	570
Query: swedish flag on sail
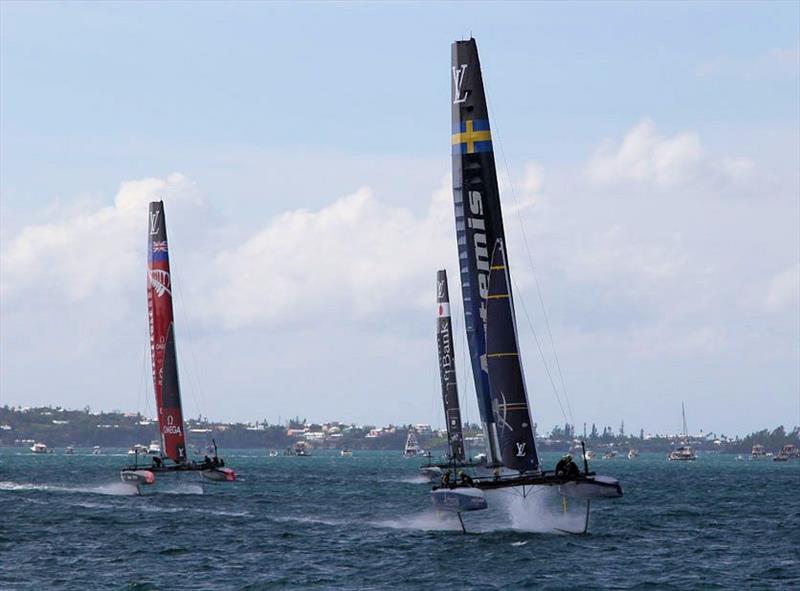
472	136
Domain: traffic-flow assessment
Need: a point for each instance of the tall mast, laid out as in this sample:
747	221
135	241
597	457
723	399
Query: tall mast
162	338
479	221
447	368
685	429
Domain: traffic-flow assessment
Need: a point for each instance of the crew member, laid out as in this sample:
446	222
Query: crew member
566	467
446	479
464	478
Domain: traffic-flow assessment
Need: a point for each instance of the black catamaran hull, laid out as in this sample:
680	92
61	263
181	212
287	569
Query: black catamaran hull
458	500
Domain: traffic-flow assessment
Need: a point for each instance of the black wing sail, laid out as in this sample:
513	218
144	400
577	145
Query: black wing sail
509	398
479	221
447	368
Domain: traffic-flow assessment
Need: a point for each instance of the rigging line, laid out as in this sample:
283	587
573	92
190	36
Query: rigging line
196	381
541	354
465	367
530	261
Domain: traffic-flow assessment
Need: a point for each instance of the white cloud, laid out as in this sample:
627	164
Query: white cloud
644	156
88	251
354	258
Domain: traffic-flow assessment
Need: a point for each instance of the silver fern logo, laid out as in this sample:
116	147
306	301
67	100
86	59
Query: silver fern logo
159	281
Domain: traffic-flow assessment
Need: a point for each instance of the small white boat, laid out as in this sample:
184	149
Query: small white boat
346	453
39	448
69	450
684	453
787	453
300	449
154	449
138	449
759	453
273	453
412	448
97	451
610	455
633	453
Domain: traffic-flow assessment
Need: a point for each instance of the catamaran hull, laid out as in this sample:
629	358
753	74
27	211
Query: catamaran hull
138	477
432	473
592	487
458	500
219	475
147	481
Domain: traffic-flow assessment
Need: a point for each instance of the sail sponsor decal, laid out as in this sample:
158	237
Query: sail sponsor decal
472	136
476	223
171	428
159	281
459	96
159	251
154	222
447	370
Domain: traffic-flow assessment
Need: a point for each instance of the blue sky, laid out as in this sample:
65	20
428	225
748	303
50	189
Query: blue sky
269	110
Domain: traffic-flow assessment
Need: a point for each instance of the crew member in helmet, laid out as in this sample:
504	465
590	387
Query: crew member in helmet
566	467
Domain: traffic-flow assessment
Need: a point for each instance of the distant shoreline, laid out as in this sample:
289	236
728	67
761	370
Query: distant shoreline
59	428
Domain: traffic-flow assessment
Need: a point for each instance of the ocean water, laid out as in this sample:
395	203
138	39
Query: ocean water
365	522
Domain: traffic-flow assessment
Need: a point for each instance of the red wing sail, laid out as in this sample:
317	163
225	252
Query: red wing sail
162	338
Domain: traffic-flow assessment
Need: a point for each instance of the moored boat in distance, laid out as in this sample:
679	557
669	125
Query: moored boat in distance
758	452
39	448
683	453
137	449
610	455
273	453
168	456
97	451
412	448
633	453
788	452
69	450
300	449
346	453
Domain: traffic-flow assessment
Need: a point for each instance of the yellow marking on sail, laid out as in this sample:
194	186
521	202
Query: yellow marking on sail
470	136
498	296
503	355
497	267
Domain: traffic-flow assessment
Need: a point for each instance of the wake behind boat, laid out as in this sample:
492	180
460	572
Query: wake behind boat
490	319
171	458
